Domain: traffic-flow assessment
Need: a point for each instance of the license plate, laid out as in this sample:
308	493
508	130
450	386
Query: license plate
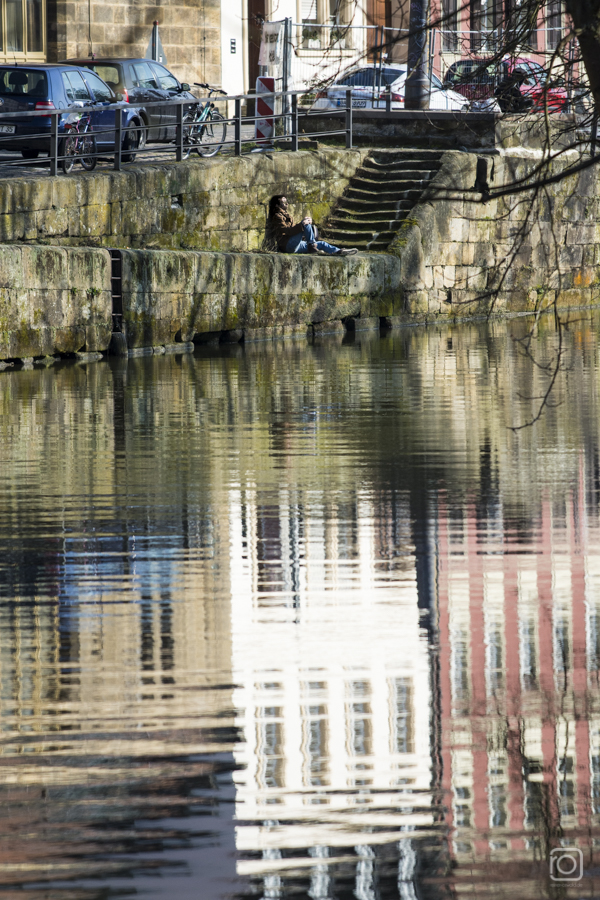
359	104
7	129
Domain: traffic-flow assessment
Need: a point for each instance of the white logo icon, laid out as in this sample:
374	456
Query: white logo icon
566	864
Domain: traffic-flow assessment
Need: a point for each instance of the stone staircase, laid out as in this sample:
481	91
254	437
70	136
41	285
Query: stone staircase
379	198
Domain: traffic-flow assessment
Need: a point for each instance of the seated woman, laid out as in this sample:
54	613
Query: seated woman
300	238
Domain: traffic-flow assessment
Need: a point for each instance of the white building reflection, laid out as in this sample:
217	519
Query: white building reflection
332	691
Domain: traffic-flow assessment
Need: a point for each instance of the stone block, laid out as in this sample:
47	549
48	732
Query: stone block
570	258
459	230
449	276
582	234
334	326
367	323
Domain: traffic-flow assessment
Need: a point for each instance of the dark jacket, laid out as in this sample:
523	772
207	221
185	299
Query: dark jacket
509	96
282	228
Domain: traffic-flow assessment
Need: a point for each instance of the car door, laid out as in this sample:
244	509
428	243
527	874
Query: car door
77	93
169	89
103	114
147	91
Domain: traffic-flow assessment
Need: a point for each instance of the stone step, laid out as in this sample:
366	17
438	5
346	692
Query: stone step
372	246
374	204
355	193
387	155
361	240
380	196
385	171
359	225
411	178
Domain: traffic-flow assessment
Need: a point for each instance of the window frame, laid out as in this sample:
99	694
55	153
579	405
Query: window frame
24	55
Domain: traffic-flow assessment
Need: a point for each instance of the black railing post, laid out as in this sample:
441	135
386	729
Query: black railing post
54	144
349	119
294	121
388	98
179	133
237	127
118	138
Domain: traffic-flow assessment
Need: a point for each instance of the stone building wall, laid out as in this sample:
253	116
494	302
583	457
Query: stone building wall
190	31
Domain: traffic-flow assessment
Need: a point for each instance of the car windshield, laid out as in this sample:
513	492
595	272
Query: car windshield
470	71
365	77
19	82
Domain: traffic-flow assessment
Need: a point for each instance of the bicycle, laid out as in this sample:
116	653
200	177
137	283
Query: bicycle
79	144
204	129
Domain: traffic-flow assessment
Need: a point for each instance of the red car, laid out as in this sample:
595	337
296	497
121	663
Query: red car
477	80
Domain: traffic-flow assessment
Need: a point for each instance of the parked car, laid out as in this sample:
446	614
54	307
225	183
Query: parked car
142	81
369	84
477	79
53	86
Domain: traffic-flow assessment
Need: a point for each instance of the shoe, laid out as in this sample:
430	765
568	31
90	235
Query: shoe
312	248
349	252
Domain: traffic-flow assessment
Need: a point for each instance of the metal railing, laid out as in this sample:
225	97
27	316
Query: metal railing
239	137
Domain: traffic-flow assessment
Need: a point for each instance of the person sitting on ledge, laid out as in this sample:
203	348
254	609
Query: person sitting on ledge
300	238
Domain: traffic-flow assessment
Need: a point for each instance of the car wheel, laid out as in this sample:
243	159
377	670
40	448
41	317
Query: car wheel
131	141
30	154
143	135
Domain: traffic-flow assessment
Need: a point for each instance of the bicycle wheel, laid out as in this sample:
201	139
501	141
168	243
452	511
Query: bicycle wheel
68	151
191	134
212	135
87	149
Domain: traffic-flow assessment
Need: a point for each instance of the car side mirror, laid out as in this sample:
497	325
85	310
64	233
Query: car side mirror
185	86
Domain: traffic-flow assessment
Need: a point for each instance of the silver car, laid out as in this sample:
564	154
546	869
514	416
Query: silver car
369	84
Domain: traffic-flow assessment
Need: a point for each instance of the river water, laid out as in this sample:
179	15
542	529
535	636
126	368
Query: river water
303	621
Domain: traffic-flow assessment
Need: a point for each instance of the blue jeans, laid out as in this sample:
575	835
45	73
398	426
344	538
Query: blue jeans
299	242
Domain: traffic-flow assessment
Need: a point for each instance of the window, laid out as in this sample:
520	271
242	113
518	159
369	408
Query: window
101	91
553	24
35	26
14	25
22	29
78	85
450	35
110	74
23	81
144	76
166	81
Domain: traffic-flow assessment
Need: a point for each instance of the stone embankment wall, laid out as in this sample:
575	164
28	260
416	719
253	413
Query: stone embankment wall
455	256
169	296
212	204
57	300
53	300
461	256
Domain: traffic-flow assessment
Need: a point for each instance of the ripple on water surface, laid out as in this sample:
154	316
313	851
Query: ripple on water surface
301	620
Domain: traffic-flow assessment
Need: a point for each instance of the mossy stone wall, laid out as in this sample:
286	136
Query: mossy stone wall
53	300
213	204
462	255
170	296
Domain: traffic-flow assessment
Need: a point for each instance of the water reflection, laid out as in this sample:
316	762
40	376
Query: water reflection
301	620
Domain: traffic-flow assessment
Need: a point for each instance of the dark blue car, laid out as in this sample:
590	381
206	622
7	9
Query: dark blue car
44	87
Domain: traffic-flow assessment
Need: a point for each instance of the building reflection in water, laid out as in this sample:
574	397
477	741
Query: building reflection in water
316	613
334	696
